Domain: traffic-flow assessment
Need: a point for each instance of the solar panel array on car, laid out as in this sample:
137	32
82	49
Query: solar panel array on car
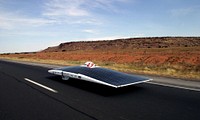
106	75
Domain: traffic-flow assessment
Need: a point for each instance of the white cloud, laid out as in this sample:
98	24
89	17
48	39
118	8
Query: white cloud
104	5
90	31
79	11
11	21
108	5
70	12
59	12
65	8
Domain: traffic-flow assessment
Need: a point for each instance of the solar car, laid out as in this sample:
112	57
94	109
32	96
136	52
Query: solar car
92	73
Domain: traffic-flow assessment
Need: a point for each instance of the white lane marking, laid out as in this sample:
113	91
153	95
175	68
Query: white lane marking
175	86
43	86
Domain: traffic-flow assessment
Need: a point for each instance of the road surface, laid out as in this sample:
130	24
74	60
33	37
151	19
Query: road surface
31	93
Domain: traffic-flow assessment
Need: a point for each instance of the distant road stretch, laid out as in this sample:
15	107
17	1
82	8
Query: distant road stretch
31	93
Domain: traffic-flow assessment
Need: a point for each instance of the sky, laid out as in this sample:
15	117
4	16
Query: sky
33	25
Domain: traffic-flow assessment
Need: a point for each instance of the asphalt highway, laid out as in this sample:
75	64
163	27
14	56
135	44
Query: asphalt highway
31	93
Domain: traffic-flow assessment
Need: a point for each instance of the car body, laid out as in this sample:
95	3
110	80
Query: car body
92	73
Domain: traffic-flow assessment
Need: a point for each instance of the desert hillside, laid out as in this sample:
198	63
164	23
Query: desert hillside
168	56
127	44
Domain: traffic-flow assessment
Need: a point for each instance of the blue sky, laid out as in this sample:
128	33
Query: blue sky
32	25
